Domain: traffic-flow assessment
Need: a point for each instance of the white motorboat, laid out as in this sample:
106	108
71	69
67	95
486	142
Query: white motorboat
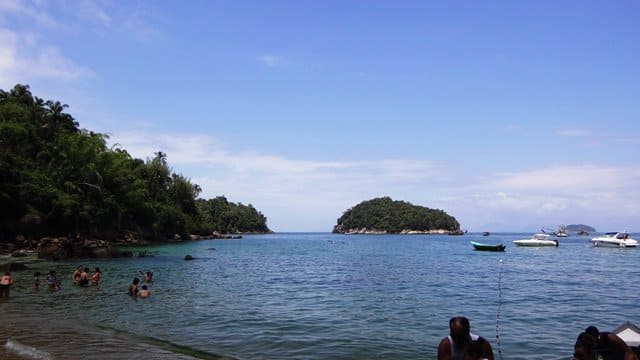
537	240
614	239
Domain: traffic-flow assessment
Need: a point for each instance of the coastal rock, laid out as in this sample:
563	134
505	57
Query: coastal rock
14	266
19	253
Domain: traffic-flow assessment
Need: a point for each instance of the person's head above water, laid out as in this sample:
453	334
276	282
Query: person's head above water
459	329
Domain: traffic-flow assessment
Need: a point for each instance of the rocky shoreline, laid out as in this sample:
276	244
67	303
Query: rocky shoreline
365	231
81	247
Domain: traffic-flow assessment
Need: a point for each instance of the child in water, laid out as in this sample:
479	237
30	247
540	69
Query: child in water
36	280
144	292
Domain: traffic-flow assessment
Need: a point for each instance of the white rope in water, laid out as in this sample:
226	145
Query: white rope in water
499	308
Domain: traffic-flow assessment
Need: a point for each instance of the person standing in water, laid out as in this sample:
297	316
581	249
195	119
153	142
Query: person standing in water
5	284
133	287
95	278
460	341
36	280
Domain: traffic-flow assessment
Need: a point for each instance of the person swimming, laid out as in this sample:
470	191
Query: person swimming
36	280
84	277
144	292
133	287
95	278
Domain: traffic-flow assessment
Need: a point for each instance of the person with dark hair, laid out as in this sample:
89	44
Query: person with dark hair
36	280
133	287
583	349
5	284
461	344
609	345
84	277
52	280
144	292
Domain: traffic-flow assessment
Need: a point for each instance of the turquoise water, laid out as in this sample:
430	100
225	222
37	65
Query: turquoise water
326	296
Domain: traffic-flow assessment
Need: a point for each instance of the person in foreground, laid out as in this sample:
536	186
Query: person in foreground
461	344
609	346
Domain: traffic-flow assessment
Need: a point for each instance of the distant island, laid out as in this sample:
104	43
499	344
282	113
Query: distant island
386	216
61	184
580	227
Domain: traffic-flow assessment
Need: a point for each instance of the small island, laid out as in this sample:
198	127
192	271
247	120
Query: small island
386	216
580	229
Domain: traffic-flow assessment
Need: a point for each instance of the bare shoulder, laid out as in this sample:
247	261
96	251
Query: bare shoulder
444	349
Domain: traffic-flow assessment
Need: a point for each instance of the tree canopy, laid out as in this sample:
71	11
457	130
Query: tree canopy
385	214
56	178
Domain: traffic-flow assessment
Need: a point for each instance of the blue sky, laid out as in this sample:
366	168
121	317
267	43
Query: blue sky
508	115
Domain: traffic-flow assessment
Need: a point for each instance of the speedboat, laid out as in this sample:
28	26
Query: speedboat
614	239
537	240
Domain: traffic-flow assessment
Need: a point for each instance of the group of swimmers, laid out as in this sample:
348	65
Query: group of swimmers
80	278
144	291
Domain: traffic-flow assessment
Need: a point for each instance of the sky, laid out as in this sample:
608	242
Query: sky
507	115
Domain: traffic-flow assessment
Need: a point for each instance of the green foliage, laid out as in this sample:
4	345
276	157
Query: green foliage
56	178
385	214
223	216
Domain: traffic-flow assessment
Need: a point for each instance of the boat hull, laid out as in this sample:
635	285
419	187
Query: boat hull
615	240
535	243
488	247
613	244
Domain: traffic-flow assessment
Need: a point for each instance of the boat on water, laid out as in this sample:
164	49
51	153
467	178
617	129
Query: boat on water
486	233
629	333
582	232
457	232
537	240
487	247
562	232
614	239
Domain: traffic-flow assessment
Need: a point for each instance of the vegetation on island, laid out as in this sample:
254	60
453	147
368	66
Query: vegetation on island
56	179
580	227
386	215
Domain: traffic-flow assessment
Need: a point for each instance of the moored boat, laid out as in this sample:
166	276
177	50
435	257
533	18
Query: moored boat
614	239
629	333
537	240
487	247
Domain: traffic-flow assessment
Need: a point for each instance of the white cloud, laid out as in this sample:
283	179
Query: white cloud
280	184
269	60
22	60
25	8
299	195
574	132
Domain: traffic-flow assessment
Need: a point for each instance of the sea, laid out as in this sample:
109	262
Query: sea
324	296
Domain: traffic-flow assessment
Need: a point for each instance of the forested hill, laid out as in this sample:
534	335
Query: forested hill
386	215
56	178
